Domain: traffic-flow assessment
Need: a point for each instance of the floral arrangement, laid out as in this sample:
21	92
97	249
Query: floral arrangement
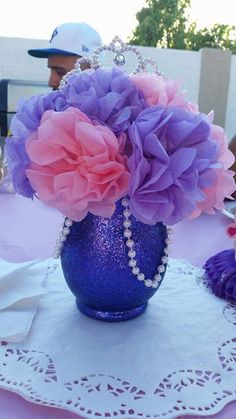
106	134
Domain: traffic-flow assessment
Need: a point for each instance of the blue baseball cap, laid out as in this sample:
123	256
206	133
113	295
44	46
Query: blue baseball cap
70	39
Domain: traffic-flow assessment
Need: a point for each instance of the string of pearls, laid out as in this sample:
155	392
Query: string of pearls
62	237
155	282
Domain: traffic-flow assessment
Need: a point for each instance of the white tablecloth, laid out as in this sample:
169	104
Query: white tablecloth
179	357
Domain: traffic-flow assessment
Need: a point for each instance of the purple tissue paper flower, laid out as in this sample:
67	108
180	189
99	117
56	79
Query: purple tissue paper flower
109	96
24	122
171	163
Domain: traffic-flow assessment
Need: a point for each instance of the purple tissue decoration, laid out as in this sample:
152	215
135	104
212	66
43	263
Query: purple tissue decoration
24	123
108	96
172	161
221	274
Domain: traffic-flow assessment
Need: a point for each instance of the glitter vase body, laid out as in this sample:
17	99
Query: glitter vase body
95	264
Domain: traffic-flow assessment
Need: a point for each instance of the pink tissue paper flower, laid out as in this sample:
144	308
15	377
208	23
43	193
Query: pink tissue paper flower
76	165
224	184
160	90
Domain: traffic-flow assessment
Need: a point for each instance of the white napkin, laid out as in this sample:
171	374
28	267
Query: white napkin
21	285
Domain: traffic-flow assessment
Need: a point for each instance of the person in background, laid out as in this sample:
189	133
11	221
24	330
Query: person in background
68	42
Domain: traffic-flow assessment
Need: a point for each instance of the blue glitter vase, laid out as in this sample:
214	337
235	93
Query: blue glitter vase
95	264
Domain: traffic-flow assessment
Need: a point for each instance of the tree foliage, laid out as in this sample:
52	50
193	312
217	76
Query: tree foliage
218	36
166	24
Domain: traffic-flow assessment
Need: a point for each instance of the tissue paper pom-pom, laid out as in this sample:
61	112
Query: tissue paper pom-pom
221	274
24	122
170	164
109	96
76	166
224	184
160	90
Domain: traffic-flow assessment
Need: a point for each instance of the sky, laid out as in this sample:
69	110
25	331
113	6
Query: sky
30	19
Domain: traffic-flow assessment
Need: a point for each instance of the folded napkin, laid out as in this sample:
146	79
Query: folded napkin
21	285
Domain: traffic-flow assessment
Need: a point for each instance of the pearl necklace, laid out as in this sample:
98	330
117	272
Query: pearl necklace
155	282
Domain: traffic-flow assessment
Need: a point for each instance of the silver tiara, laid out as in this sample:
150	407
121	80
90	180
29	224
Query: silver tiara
118	48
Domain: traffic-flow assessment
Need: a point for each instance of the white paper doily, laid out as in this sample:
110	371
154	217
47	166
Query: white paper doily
179	357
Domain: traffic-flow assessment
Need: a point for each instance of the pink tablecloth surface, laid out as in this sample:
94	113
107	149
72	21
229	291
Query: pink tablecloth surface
28	230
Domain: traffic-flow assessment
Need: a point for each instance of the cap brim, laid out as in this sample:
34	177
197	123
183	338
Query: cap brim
45	52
